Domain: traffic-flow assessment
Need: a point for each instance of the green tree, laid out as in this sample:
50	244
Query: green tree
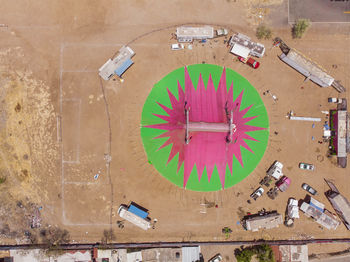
264	253
244	255
263	31
300	27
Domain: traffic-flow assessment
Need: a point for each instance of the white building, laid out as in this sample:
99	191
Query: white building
188	34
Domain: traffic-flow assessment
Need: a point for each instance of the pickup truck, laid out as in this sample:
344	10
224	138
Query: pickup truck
257	193
249	61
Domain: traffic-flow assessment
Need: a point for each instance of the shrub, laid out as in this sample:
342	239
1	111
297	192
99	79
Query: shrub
263	32
263	253
244	255
300	27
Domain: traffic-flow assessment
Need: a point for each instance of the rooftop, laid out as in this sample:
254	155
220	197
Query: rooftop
203	31
267	221
307	67
340	204
323	219
107	70
293	253
342	118
257	49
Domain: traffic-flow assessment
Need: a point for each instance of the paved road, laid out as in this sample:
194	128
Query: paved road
333	259
319	10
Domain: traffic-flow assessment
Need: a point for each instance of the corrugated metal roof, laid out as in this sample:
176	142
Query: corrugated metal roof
240	50
123	67
137	211
190	254
307	68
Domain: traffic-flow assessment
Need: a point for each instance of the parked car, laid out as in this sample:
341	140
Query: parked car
306	166
309	189
216	258
334	100
250	61
257	193
177	46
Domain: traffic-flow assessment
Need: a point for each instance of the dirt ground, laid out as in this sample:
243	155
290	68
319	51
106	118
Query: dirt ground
61	124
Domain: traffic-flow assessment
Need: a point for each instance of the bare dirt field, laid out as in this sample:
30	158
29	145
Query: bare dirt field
61	124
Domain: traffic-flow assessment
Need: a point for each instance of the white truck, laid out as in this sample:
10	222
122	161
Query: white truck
221	32
257	193
177	46
275	170
292	212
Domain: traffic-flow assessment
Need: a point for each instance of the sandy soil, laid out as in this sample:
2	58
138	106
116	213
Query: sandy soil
71	126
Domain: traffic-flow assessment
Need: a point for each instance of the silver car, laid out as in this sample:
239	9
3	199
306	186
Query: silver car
309	189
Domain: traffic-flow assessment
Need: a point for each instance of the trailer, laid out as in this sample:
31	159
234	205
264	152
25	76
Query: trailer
135	216
118	65
255	49
188	34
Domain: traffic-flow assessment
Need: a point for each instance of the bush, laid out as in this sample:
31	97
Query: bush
263	32
108	236
244	255
263	252
300	27
2	179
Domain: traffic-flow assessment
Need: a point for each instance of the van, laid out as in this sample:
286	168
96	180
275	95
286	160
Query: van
177	46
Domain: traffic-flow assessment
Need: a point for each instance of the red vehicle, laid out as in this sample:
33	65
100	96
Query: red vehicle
250	61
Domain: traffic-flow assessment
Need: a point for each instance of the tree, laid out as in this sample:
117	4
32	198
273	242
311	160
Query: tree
300	27
263	32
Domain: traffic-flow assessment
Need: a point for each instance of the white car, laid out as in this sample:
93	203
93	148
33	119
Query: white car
334	100
307	166
216	258
221	31
177	46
